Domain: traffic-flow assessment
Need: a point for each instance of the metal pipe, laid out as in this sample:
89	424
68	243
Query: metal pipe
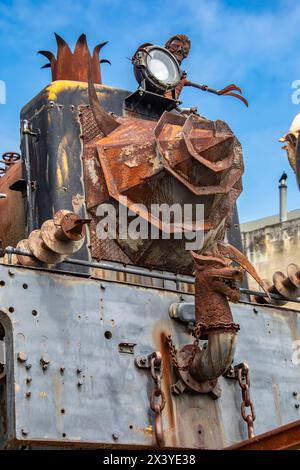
283	198
216	356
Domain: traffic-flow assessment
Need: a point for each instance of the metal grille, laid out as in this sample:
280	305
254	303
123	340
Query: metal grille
90	130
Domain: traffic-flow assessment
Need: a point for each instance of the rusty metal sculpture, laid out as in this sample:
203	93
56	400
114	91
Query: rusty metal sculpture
75	65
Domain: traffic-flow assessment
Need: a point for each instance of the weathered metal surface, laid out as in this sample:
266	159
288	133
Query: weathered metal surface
75	65
283	438
110	394
12	227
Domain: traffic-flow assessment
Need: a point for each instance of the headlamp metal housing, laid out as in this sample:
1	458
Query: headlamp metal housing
156	69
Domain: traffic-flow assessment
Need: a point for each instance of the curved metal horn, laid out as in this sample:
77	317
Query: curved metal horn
105	121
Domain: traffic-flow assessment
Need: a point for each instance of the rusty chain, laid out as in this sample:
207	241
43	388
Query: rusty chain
157	393
243	375
173	351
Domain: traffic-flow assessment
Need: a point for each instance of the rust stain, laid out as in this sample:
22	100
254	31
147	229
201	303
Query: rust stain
277	401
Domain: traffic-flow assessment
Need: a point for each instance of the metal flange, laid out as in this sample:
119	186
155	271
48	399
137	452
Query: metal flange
63	247
27	260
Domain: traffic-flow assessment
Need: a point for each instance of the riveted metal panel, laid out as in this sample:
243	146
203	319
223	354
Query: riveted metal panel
91	392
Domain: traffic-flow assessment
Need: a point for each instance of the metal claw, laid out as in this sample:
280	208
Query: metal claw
239	97
230	87
234	254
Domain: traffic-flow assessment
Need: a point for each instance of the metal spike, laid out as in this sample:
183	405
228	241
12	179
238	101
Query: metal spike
106	123
49	55
98	48
61	42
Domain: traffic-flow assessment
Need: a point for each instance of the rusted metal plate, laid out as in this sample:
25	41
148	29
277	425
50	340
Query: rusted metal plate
12	217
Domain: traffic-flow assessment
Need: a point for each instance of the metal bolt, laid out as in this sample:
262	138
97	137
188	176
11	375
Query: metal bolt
22	356
28	366
28	394
143	360
79	371
115	436
24	432
62	370
45	367
79	383
255	310
295	394
297	406
28	380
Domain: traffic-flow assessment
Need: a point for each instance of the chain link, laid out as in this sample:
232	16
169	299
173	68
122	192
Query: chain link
243	374
173	351
158	397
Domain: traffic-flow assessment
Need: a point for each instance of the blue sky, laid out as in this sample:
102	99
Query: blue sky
254	44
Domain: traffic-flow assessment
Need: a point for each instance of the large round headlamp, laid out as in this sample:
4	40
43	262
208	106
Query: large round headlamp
156	69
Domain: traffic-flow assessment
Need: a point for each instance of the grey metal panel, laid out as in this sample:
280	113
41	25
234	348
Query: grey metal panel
73	315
